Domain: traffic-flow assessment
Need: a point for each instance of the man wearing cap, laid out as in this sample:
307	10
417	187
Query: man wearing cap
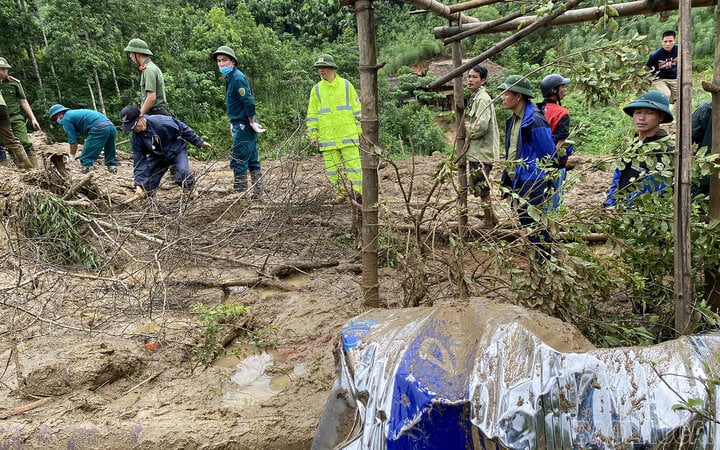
554	88
333	125
152	82
240	106
158	142
16	102
528	147
8	139
99	132
648	111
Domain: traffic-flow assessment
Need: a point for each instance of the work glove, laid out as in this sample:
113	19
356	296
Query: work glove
69	158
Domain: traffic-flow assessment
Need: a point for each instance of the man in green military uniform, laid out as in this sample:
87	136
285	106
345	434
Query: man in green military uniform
8	139
16	102
152	82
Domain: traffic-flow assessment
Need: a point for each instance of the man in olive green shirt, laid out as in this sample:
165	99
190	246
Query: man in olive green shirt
16	102
152	82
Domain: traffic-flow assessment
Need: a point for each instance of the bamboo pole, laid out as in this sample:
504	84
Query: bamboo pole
368	142
464	6
580	15
459	109
443	11
682	266
502	45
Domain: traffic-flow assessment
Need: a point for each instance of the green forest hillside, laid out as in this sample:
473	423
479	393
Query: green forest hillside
71	51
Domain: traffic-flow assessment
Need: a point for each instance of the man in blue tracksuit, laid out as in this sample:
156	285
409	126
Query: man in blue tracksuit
240	106
158	142
529	142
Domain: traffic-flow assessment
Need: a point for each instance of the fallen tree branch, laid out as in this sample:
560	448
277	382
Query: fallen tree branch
25	408
73	190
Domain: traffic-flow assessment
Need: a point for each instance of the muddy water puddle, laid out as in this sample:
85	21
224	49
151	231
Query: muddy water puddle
296	280
251	384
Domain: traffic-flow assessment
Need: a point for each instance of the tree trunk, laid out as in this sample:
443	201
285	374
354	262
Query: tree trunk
368	141
92	96
45	42
115	82
99	90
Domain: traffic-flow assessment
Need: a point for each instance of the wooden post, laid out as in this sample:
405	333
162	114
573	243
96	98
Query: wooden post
711	274
368	141
459	109
683	155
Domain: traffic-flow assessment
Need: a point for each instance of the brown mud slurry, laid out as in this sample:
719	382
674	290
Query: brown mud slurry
104	359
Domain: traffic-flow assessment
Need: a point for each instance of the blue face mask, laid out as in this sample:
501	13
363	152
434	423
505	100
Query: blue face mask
225	70
59	120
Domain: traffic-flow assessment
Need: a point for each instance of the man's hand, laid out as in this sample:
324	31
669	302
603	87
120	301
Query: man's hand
139	191
314	142
70	157
35	124
206	144
257	127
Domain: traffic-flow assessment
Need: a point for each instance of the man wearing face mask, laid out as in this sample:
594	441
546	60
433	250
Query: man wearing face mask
99	132
240	106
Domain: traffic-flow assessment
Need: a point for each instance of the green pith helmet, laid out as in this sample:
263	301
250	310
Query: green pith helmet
4	64
55	110
651	100
325	60
138	46
224	50
519	84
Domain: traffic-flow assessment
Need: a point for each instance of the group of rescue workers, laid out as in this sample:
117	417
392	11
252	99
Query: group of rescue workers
158	139
535	134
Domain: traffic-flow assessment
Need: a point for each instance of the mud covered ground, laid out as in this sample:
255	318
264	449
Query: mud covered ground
107	358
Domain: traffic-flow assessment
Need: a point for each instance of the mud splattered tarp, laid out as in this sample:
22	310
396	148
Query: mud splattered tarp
497	376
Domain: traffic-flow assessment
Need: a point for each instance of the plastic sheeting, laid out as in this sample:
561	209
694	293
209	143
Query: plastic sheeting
495	376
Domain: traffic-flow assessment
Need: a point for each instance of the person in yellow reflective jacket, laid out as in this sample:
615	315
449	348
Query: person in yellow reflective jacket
333	125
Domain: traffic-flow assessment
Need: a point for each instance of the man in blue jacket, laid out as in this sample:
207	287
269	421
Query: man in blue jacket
240	105
99	132
158	142
529	144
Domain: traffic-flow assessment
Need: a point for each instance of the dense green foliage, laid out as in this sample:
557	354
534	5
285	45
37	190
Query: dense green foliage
71	51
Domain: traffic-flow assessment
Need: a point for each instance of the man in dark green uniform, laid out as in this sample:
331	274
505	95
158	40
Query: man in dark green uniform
8	139
152	82
16	101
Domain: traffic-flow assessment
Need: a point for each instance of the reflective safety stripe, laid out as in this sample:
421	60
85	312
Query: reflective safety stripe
311	130
332	172
324	110
311	119
317	91
326	144
351	141
354	170
344	108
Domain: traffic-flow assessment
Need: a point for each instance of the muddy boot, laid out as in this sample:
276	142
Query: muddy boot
490	219
21	158
257	190
240	184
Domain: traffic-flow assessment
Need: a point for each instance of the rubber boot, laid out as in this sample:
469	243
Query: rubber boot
21	158
240	184
257	190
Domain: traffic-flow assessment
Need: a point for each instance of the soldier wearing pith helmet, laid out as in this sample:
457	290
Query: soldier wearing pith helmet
16	101
240	106
152	81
